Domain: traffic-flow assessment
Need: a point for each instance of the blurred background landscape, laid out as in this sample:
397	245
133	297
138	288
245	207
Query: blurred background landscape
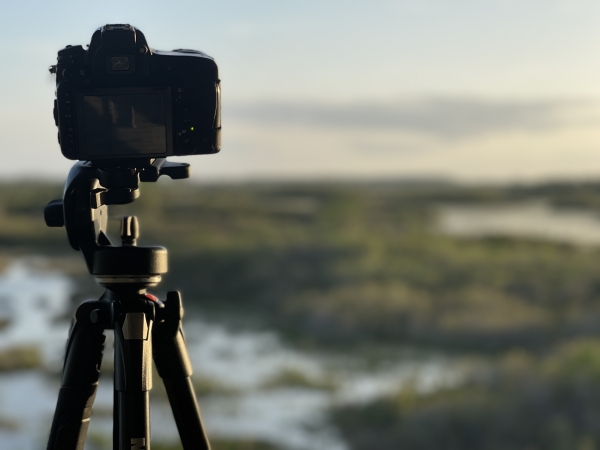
339	315
398	246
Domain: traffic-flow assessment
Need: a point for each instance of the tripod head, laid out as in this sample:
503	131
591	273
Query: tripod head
83	210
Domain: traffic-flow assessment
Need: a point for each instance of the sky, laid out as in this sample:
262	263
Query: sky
466	90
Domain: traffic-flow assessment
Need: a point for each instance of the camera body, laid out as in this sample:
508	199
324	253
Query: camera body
121	102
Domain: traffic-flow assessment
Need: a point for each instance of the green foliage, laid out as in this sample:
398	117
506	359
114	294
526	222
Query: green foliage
203	386
354	264
20	358
98	441
295	378
520	402
207	386
22	224
221	444
246	444
349	263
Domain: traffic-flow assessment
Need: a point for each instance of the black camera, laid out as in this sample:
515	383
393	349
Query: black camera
120	100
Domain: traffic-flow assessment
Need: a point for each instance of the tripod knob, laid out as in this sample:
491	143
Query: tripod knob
130	230
54	213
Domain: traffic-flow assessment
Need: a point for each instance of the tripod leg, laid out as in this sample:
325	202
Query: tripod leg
80	378
174	367
133	373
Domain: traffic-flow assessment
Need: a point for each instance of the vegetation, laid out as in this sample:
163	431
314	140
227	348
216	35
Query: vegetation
222	445
20	358
104	442
351	265
295	378
523	402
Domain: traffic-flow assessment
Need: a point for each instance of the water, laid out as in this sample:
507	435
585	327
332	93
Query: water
31	301
239	363
531	219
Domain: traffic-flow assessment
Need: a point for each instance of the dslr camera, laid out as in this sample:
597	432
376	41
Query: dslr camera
120	102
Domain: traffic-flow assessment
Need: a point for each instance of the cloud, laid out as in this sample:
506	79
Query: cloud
442	118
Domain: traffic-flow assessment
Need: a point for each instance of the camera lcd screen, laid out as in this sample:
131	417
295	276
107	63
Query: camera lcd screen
125	125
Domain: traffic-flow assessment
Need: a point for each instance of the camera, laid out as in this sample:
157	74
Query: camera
119	101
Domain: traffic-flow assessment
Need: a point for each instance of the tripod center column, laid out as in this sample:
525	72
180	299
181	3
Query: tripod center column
133	377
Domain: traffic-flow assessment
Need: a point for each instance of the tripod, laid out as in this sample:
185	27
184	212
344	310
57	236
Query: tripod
144	327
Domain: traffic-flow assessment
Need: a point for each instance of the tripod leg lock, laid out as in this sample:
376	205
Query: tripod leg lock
168	343
133	348
80	379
